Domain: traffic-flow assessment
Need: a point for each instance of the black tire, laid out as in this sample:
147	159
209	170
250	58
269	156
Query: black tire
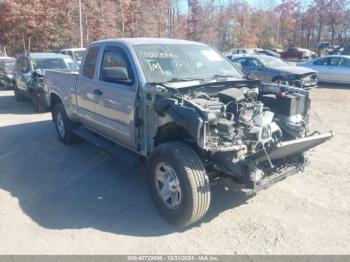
193	181
61	120
18	96
37	106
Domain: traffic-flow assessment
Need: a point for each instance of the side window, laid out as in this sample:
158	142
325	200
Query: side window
335	61
241	61
70	54
321	62
26	65
253	63
345	63
90	62
116	57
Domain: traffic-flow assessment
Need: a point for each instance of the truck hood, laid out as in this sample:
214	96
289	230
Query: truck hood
294	70
185	84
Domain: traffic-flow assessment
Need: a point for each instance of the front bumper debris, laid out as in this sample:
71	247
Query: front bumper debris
269	180
287	158
292	147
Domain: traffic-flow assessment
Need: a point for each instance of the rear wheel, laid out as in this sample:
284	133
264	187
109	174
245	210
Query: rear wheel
64	126
37	106
178	183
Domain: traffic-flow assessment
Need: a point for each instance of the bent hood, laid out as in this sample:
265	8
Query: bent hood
294	70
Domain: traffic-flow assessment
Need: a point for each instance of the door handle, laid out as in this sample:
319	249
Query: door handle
98	92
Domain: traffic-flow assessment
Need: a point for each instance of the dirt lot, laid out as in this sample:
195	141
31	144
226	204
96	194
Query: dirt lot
57	199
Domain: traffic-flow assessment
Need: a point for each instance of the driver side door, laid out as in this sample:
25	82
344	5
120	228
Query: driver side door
115	100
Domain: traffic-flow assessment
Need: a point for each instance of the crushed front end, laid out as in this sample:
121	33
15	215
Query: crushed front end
254	133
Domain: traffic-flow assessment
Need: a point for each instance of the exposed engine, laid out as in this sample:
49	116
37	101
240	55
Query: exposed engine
246	131
237	121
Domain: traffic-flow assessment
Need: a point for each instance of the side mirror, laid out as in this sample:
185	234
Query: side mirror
115	74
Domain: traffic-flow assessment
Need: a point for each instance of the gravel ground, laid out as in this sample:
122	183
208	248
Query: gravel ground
57	199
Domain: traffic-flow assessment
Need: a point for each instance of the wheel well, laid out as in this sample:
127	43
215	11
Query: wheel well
54	100
170	132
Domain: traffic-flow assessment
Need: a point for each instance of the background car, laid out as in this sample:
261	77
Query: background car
343	50
277	50
268	53
234	51
75	53
308	54
7	65
323	48
334	69
272	69
28	75
297	53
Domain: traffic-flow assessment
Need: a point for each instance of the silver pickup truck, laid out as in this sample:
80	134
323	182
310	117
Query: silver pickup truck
186	110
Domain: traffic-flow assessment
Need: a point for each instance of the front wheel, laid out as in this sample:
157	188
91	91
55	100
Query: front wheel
64	126
178	183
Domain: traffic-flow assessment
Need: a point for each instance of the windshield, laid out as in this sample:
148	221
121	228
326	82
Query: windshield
9	65
272	62
171	62
49	63
78	56
71	64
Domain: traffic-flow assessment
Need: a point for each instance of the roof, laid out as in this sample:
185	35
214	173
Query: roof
74	49
346	56
147	41
7	58
45	55
250	55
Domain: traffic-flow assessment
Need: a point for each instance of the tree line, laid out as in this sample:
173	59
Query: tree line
45	25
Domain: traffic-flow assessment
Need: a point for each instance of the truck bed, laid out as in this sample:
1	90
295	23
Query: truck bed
63	84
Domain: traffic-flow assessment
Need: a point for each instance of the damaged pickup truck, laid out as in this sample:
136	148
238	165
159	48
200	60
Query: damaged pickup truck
189	112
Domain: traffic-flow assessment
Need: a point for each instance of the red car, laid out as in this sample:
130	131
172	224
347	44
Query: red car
294	53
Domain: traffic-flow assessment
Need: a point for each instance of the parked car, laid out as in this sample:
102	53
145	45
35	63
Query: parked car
7	65
308	54
268	53
75	53
272	69
323	48
28	75
343	50
334	68
277	50
185	109
296	53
